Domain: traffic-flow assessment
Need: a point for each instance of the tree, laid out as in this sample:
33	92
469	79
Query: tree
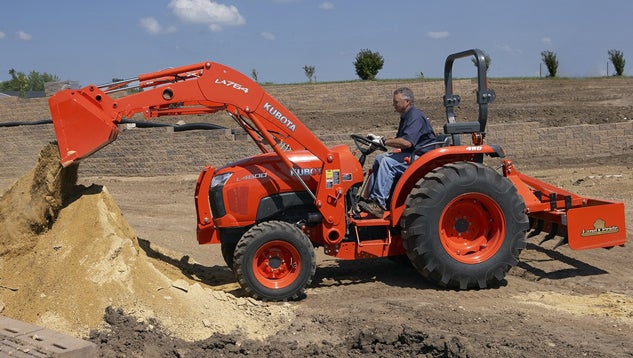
486	60
549	58
368	64
22	82
18	82
254	74
309	71
617	59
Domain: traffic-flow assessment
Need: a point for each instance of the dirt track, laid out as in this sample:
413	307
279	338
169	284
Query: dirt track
555	303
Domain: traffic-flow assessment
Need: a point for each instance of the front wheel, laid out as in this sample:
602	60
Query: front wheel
274	261
464	226
228	250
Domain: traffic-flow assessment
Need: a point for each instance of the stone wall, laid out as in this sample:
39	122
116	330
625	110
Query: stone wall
161	151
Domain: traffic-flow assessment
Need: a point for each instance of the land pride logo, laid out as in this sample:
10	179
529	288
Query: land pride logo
600	228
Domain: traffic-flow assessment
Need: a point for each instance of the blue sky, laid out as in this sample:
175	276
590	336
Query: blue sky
92	42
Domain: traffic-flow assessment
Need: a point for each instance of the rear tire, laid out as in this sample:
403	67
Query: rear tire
274	261
228	252
464	226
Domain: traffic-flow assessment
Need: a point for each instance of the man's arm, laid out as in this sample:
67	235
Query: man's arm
399	143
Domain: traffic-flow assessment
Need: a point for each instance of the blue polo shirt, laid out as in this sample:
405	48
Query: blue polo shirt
415	128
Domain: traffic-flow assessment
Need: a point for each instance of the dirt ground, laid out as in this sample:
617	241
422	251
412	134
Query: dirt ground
555	303
121	267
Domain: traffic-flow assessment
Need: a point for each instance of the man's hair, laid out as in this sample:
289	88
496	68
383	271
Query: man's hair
406	93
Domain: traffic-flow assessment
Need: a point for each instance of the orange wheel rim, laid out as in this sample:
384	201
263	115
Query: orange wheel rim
472	228
276	264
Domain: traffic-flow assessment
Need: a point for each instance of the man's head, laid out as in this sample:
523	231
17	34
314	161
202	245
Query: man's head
402	99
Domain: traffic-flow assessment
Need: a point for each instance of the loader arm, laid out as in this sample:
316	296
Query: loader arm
85	120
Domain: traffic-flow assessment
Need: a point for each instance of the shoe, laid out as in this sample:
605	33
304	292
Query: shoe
372	208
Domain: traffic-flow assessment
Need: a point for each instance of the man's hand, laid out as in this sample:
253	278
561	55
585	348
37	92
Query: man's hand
379	140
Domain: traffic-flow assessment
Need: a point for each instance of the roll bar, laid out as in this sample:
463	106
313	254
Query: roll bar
451	100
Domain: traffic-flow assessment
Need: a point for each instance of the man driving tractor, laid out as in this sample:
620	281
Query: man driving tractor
414	132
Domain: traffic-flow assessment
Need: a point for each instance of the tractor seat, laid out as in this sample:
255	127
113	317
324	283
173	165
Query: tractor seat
454	129
442	140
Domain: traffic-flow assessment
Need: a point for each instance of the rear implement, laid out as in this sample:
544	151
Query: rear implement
580	222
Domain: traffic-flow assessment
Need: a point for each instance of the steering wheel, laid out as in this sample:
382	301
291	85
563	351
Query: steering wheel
365	145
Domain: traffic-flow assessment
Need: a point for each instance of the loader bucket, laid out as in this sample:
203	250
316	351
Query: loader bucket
81	123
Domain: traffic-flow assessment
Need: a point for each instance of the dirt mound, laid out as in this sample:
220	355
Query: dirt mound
63	265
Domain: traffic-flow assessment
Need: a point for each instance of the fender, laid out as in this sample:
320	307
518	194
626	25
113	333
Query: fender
431	160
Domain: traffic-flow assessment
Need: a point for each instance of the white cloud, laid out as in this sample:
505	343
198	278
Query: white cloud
152	26
326	6
268	36
509	49
2	35
438	34
23	36
546	40
207	12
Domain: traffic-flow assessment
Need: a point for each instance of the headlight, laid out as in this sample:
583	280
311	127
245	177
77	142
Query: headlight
220	179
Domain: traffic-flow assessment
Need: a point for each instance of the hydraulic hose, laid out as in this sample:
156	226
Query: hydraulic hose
16	124
138	124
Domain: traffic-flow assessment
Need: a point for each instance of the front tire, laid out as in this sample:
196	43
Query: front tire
464	226
274	261
228	252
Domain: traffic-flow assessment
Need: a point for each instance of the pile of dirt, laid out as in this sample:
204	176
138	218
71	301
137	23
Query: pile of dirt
68	254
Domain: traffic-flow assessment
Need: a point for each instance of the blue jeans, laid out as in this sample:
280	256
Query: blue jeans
386	167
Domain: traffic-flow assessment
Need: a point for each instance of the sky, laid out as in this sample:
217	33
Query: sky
92	42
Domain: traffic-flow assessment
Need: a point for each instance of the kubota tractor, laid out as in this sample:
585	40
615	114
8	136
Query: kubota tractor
461	223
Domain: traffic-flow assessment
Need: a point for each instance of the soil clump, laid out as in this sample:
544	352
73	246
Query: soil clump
32	203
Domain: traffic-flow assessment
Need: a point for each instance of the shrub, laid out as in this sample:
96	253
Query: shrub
309	72
549	58
368	64
617	59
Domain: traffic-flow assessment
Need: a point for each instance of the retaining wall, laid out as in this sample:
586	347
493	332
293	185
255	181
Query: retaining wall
160	151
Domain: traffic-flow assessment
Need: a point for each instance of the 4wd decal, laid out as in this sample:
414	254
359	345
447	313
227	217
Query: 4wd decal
600	228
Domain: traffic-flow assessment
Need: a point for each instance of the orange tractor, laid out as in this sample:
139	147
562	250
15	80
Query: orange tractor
461	223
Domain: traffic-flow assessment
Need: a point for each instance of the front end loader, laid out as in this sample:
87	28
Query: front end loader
461	223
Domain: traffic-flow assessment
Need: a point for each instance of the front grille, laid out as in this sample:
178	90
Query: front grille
216	201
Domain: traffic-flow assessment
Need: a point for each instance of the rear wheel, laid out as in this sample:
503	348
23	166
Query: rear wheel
464	226
274	261
228	251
